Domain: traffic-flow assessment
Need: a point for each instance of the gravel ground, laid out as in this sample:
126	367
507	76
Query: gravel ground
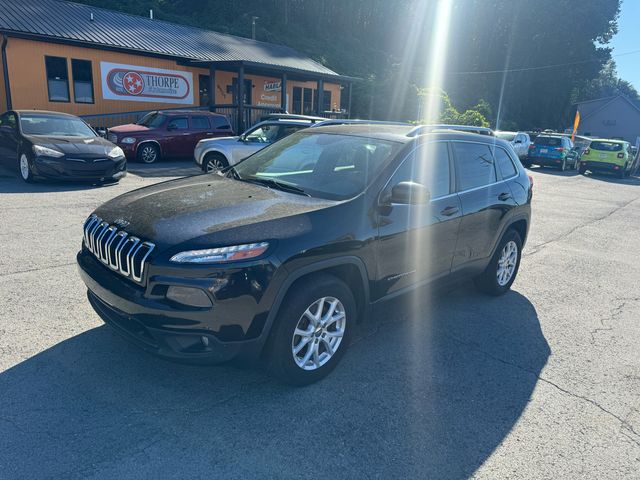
543	382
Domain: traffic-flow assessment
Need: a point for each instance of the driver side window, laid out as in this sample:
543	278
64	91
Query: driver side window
8	120
428	165
263	134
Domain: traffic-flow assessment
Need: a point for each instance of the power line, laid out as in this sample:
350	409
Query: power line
542	67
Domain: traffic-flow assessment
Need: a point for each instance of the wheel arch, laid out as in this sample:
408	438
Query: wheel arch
213	151
350	270
150	141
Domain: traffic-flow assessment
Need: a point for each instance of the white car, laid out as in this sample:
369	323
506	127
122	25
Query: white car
520	142
213	154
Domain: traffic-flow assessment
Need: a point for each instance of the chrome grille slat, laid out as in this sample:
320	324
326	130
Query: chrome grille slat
116	249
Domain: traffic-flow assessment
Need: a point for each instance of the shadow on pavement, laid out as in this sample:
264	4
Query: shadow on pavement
179	168
10	182
429	391
554	171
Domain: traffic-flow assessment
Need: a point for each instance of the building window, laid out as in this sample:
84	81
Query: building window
82	81
57	79
203	87
296	105
307	101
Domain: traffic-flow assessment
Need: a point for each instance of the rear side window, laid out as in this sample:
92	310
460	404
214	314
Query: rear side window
505	164
220	123
428	165
474	165
549	141
606	146
200	123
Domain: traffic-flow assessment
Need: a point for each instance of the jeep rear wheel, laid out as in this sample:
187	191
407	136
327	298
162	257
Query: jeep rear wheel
312	330
503	267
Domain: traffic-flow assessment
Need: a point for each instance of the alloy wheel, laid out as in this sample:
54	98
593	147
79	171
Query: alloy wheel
148	154
507	263
214	165
24	167
318	333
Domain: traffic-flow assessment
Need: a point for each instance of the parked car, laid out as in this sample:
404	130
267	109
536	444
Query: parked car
57	146
459	128
552	151
520	142
277	263
212	155
611	156
168	134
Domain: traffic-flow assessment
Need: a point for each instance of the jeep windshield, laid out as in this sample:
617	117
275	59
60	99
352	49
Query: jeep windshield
548	141
330	166
606	146
151	120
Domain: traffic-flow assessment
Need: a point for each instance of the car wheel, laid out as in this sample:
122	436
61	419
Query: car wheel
148	153
214	162
503	267
24	168
526	164
312	330
582	170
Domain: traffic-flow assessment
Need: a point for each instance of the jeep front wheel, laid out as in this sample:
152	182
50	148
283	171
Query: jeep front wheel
312	330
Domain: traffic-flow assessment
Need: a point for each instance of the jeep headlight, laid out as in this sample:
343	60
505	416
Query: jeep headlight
116	152
41	151
221	254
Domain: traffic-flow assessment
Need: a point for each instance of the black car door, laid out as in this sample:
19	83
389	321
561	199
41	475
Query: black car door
486	199
8	138
416	241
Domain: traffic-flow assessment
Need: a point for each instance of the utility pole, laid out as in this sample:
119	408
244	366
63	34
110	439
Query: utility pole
253	27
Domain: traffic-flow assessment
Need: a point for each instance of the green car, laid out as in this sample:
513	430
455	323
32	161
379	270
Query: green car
612	156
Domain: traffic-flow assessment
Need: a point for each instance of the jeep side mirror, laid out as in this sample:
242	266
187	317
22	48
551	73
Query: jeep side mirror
410	193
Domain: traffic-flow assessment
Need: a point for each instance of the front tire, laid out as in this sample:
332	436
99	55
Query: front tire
312	330
24	168
214	162
503	267
148	153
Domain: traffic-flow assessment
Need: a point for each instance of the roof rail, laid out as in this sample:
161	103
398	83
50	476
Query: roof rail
290	116
422	129
346	121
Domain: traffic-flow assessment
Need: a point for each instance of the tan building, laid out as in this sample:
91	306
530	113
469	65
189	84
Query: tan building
111	68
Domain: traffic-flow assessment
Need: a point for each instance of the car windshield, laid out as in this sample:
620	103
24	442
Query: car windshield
508	136
152	120
35	124
323	165
548	141
606	146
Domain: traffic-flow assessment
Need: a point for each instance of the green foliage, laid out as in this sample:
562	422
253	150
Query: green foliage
387	44
447	113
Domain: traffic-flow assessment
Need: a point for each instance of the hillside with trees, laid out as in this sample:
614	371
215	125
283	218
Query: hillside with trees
527	62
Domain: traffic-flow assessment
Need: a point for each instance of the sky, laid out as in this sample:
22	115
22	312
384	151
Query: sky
626	40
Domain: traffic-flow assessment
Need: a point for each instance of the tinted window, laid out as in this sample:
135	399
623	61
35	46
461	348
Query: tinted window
606	146
82	81
474	165
57	79
178	124
220	123
505	164
428	165
200	123
8	120
152	120
549	141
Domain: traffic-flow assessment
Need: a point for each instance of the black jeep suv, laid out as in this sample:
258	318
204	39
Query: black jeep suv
281	255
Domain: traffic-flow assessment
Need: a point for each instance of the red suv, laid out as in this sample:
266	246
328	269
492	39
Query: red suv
165	134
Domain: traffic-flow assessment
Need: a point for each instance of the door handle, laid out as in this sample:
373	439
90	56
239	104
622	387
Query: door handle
504	196
448	211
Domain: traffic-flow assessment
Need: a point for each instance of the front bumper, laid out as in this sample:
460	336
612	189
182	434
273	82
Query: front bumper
62	169
143	315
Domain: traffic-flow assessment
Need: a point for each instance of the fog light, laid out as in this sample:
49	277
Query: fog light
193	297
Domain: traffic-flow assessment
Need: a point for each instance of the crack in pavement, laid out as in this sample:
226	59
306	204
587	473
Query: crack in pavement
36	269
623	422
537	248
615	313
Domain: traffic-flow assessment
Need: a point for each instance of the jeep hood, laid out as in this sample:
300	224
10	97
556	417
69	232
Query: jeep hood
209	209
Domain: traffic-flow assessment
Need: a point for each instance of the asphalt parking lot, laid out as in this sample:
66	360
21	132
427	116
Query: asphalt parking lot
541	383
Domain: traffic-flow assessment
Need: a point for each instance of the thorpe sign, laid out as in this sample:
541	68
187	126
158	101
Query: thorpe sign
145	84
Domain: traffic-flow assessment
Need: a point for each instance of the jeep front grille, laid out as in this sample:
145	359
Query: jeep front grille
121	252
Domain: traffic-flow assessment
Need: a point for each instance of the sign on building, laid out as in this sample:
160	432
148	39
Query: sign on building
145	84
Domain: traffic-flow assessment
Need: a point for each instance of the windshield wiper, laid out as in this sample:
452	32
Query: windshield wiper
271	182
